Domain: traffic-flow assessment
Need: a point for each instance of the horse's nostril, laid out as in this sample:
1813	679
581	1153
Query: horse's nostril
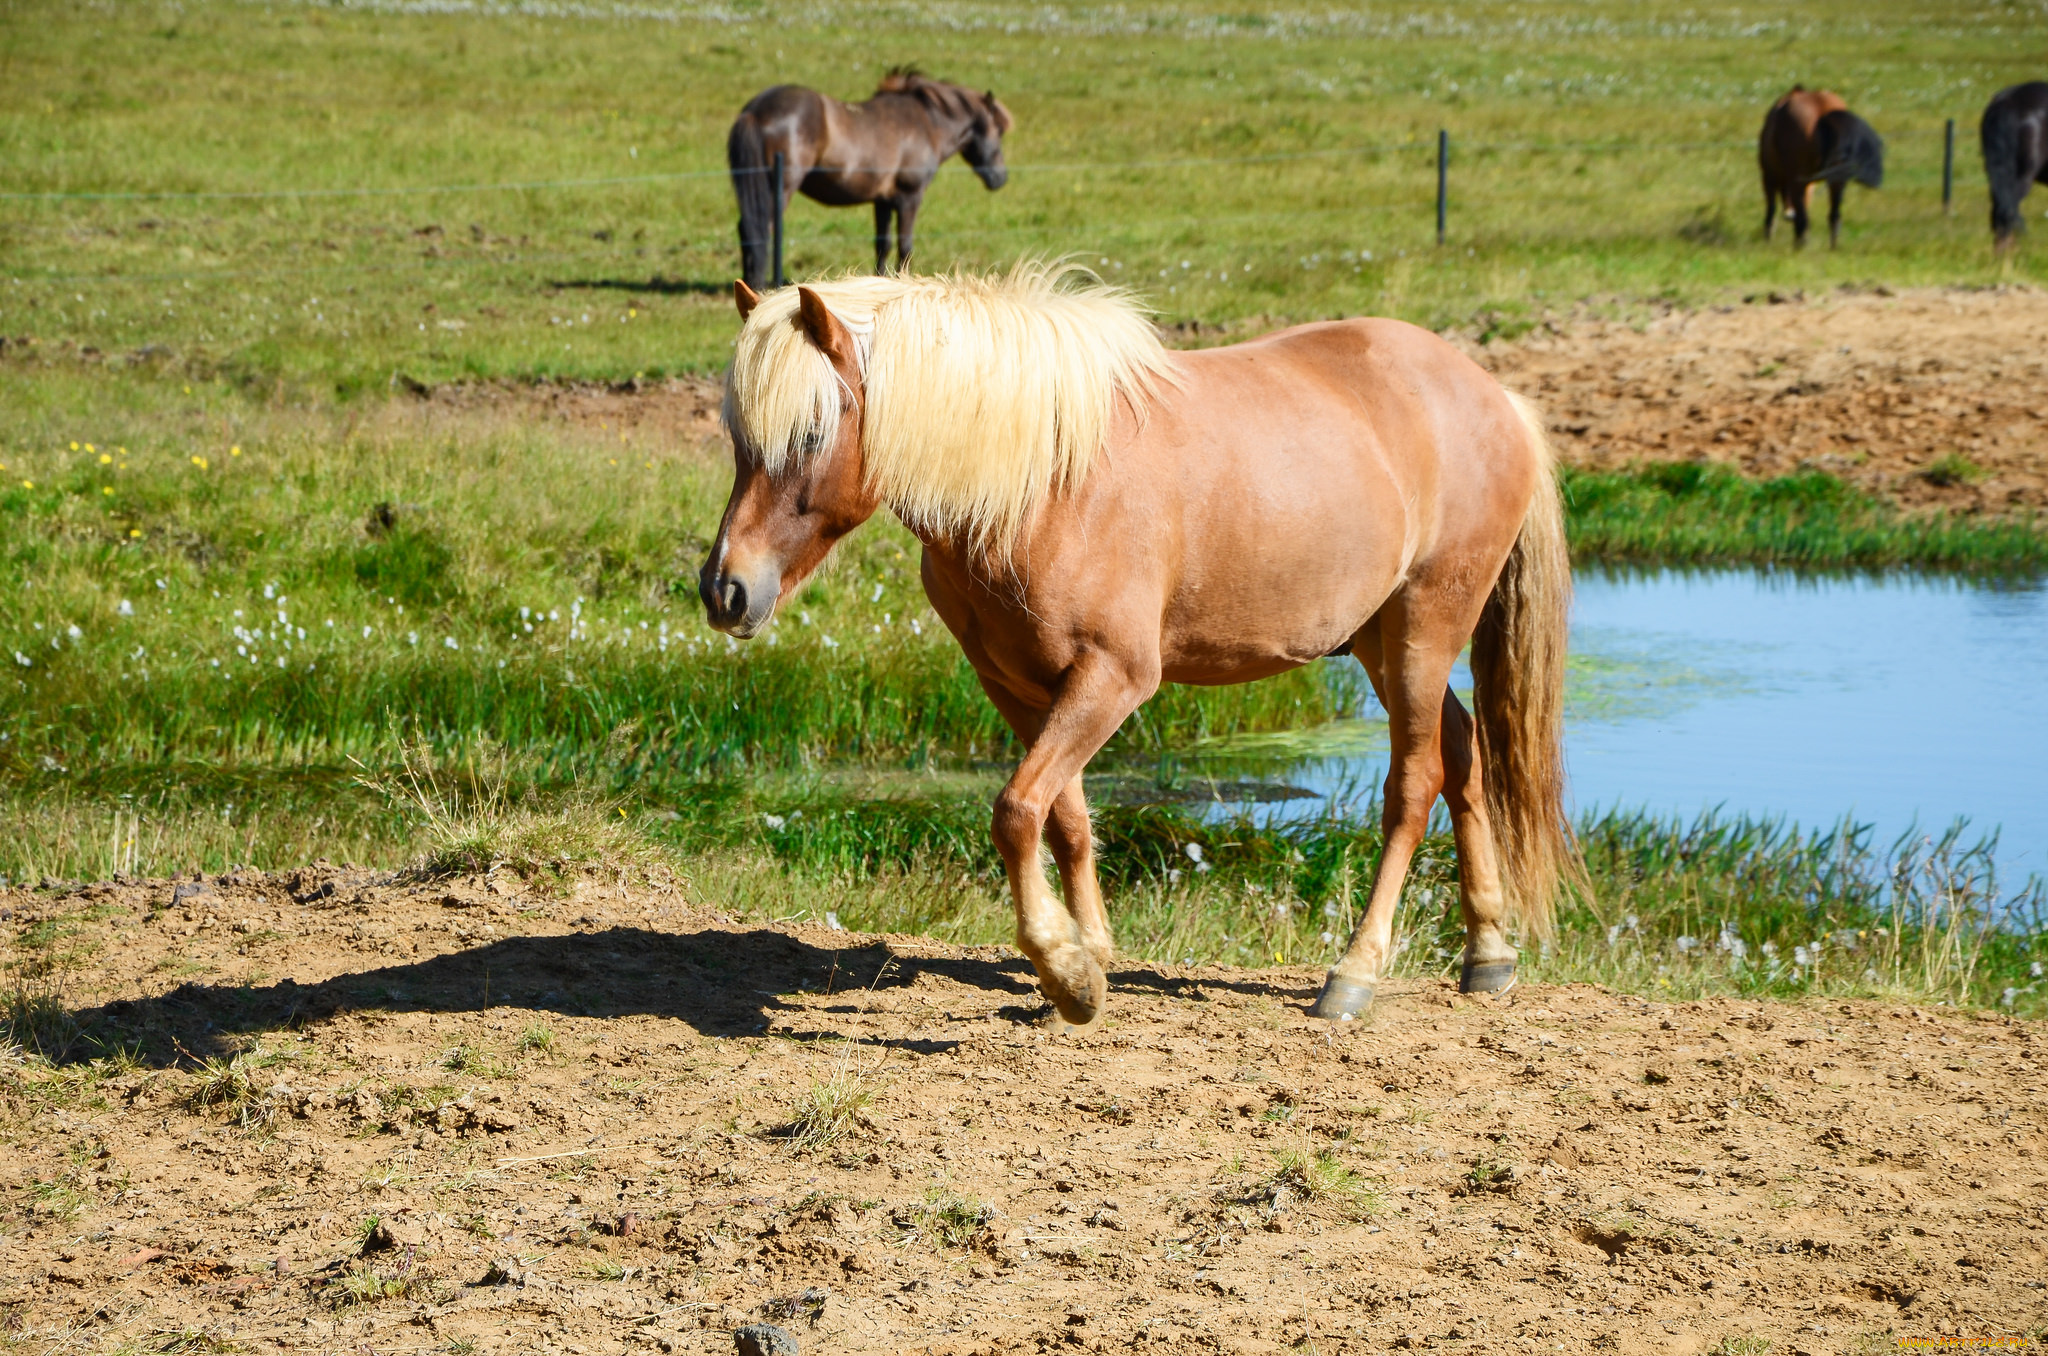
733	598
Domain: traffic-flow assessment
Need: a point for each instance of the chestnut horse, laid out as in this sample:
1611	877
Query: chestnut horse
1811	137
1100	515
2015	137
884	151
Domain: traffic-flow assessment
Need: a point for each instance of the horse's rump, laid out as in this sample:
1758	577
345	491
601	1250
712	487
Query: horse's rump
2014	135
1849	149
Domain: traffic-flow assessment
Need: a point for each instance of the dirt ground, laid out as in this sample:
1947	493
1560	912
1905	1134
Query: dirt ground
571	1119
1874	386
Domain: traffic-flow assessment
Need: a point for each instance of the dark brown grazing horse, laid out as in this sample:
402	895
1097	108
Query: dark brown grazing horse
2015	137
1810	137
884	151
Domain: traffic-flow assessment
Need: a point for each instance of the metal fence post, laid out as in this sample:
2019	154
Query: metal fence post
775	187
1443	170
1948	167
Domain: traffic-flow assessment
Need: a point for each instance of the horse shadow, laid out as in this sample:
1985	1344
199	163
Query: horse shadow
657	285
723	984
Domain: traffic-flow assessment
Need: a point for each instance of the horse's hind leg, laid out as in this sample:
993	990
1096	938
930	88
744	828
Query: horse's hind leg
1072	839
1770	206
1489	959
1407	650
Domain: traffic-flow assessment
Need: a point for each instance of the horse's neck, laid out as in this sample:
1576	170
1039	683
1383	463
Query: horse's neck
952	128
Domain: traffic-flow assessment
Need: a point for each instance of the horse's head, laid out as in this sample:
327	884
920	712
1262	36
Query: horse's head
983	149
787	511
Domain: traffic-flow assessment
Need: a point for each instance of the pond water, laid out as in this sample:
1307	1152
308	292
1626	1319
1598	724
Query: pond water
1897	701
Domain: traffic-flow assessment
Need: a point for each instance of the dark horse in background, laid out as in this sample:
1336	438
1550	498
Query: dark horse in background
2015	137
884	151
1811	137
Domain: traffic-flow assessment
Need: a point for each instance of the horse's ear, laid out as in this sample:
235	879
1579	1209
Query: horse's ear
825	330
744	297
1004	122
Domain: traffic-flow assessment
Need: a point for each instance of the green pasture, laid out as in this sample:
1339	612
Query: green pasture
541	194
260	603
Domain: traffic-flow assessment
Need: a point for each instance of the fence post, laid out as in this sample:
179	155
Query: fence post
1948	167
775	187
1443	170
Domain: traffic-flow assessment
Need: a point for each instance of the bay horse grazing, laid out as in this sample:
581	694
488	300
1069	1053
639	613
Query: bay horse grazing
2015	137
1811	137
1100	515
884	151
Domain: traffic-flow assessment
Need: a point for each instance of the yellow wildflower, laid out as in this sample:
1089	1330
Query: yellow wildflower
74	447
235	451
106	460
200	462
134	531
106	489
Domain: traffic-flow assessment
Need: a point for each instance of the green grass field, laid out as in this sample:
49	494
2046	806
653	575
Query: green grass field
243	570
1599	149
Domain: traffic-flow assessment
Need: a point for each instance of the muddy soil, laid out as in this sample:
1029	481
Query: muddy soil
1929	398
578	1126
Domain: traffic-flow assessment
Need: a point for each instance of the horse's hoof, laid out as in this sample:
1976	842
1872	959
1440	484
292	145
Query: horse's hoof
1076	986
1487	977
1342	999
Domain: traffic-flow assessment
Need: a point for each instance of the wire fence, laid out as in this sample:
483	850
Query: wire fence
1453	158
1421	145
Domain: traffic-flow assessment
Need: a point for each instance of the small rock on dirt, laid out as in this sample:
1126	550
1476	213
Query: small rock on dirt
763	1339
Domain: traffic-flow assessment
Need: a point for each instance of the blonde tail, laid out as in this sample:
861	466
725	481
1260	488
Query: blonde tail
1518	654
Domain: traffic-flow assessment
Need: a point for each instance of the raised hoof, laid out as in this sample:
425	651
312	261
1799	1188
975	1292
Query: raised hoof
1487	977
1342	999
1076	986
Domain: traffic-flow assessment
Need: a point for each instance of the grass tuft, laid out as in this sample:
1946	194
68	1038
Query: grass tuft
1323	1182
945	1219
828	1110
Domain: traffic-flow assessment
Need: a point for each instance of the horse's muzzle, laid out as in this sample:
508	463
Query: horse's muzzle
993	176
734	605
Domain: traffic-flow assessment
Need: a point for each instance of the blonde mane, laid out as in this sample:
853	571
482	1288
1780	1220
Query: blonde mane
984	394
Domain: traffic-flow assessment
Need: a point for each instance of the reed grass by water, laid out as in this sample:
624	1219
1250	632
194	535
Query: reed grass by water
1692	514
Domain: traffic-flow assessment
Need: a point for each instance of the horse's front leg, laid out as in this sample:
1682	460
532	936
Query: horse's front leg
1093	699
884	209
1072	838
1835	191
1067	831
906	228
